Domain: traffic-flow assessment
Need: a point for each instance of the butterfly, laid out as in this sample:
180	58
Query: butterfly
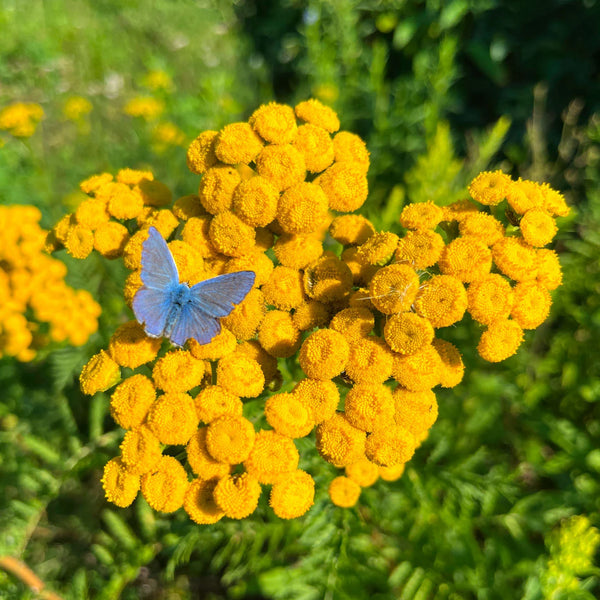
177	311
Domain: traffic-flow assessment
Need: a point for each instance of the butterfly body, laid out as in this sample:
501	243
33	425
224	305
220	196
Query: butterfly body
176	310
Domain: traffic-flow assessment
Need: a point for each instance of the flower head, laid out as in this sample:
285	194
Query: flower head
313	111
532	304
490	299
348	147
282	165
275	123
130	347
420	249
140	450
230	438
415	411
120	485
297	251
110	239
363	472
419	371
240	375
292	495
230	235
339	442
315	145
489	188
237	495
351	229
100	373
324	354
549	273
466	258
452	367
421	216
131	400
172	418
537	227
369	406
199	502
177	371
272	458
515	258
215	401
288	415
255	200
500	340
523	195
328	279
369	360
554	201
164	487
320	398
278	335
201	152
222	344
345	185
394	288
246	317
284	289
201	461
217	187
255	351
354	324
237	143
482	226
344	492
302	207
391	445
408	332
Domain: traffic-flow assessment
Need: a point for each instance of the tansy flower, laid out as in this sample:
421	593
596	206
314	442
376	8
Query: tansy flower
110	239
442	300
274	122
201	152
549	273
315	145
349	147
222	344
230	235
91	184
177	371
237	143
172	418
328	279
394	288
254	201
537	227
146	107
201	461
369	361
297	251
165	486
164	220
122	201
532	304
320	398
216	188
466	258
188	260
310	314
339	442
523	195
378	249
345	185
119	484
490	299
392	473
240	375
452	368
415	411
301	208
421	215
419	371
284	289
363	472
187	207
278	335
272	458
255	260
230	438
247	316
132	284
351	229
92	213
344	492
237	495
255	351
288	415
489	187
420	249
215	401
196	234
130	347
80	241
361	273
140	450
313	111
21	118
132	252
500	340
408	332
391	445
482	226
62	228
459	210
369	406
292	495
354	324
157	80
554	201
324	354
100	373
199	502
131	400
515	258
133	176
282	165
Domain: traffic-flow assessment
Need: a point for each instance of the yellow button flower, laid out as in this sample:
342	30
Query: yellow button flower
554	201
418	372
490	187
394	288
278	335
415	411
313	111
120	485
328	279
351	229
164	220
392	473
217	187
490	299
110	239
200	460
132	252
255	260
199	502
196	234
91	184
272	458
421	215
320	398
99	374
230	438
140	450
79	242
301	208
282	165
132	284
348	147
482	226
466	258
177	371
408	332
345	185
315	145
240	375
501	340
123	202
523	195
237	495
222	344
344	492
549	273
133	176
284	289
532	304
215	401
369	406
516	259
130	347
188	206
452	369
131	400
353	323
361	273
420	249
324	354
230	235
378	249
293	495
339	442
172	418
201	152
92	213
237	143
369	361
288	415
389	446
297	251
165	486
363	472
537	227
247	316
310	314
274	122
256	352
255	201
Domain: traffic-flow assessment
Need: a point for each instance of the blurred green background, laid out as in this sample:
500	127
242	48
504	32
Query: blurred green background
439	90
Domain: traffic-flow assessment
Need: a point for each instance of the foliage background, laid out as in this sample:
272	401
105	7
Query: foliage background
439	90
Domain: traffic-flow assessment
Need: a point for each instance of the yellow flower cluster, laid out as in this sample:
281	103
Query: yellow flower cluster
37	306
21	118
271	198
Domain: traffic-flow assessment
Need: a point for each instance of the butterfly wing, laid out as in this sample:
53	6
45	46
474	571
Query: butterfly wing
159	271
193	322
151	307
217	296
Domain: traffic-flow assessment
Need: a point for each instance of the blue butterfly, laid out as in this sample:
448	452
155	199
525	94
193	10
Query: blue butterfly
177	311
